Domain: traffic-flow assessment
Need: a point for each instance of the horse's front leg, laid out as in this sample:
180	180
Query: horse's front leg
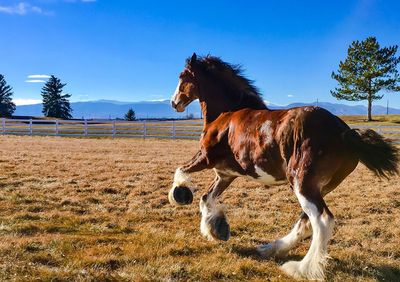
214	224
182	189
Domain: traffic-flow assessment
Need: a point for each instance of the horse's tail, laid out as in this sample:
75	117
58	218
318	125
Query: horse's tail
376	152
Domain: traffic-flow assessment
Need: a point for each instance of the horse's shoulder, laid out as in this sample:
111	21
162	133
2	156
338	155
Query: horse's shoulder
214	132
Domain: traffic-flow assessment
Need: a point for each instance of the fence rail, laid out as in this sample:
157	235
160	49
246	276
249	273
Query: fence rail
175	129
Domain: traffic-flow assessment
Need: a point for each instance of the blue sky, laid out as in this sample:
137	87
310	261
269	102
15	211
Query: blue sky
134	50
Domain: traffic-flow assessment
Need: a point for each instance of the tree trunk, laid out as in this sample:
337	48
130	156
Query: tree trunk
369	107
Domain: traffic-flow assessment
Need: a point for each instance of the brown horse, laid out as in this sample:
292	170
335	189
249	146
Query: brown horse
308	147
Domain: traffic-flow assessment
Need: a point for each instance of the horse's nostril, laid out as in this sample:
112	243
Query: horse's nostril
173	104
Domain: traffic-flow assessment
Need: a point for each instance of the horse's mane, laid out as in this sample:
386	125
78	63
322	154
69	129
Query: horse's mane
231	76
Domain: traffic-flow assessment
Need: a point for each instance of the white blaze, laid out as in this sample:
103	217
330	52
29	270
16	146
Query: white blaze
176	91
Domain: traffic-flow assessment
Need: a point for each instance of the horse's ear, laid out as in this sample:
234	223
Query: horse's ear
193	59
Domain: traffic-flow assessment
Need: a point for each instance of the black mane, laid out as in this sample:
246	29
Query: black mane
233	79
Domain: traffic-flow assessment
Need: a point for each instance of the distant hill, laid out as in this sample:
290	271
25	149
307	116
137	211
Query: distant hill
116	109
341	109
162	109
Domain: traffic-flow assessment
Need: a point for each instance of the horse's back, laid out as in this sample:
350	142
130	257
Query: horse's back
314	146
267	140
272	127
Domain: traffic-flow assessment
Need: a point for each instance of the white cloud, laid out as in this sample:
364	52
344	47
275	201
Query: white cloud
39	76
23	8
20	101
290	95
83	98
84	1
35	81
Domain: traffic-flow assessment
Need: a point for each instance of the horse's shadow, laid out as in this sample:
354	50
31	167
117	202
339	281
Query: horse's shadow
335	266
362	269
251	252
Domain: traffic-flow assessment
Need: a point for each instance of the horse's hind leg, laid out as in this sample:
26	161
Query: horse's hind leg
302	229
281	247
214	224
312	266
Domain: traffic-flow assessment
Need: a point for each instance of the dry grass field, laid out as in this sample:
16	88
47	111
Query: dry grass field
377	119
97	210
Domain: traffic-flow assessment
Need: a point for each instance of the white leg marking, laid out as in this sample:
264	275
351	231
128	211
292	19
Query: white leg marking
209	211
282	246
180	179
312	266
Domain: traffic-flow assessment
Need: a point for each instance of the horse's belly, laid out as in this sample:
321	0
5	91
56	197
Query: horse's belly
265	178
261	176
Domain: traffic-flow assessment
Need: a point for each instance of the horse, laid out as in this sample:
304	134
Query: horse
307	147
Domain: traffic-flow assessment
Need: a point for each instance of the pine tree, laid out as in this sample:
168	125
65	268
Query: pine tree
7	107
367	70
130	115
55	103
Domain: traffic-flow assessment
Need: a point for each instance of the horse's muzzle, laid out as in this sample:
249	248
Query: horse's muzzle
179	107
173	105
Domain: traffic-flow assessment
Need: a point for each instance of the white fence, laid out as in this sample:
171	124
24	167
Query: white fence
176	129
389	131
181	129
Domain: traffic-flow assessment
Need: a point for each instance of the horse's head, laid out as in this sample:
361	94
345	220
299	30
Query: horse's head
187	89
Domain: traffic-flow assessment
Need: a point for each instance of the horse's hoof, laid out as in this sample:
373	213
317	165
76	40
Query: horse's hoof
293	269
221	229
271	250
267	251
182	195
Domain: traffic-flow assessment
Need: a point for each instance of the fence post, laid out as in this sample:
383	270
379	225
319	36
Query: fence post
3	122
86	127
56	127
173	129
30	127
114	129
144	129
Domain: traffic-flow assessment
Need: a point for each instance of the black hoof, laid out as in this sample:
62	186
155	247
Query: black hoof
183	195
222	229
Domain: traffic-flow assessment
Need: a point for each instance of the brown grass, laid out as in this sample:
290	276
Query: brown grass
376	119
97	209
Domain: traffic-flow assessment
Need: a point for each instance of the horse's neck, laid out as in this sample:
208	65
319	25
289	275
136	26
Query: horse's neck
216	99
213	102
208	115
212	109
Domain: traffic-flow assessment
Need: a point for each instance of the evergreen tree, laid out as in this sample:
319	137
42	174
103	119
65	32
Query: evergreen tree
130	115
367	70
55	103
7	107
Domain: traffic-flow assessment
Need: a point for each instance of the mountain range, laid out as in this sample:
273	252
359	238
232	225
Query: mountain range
110	109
